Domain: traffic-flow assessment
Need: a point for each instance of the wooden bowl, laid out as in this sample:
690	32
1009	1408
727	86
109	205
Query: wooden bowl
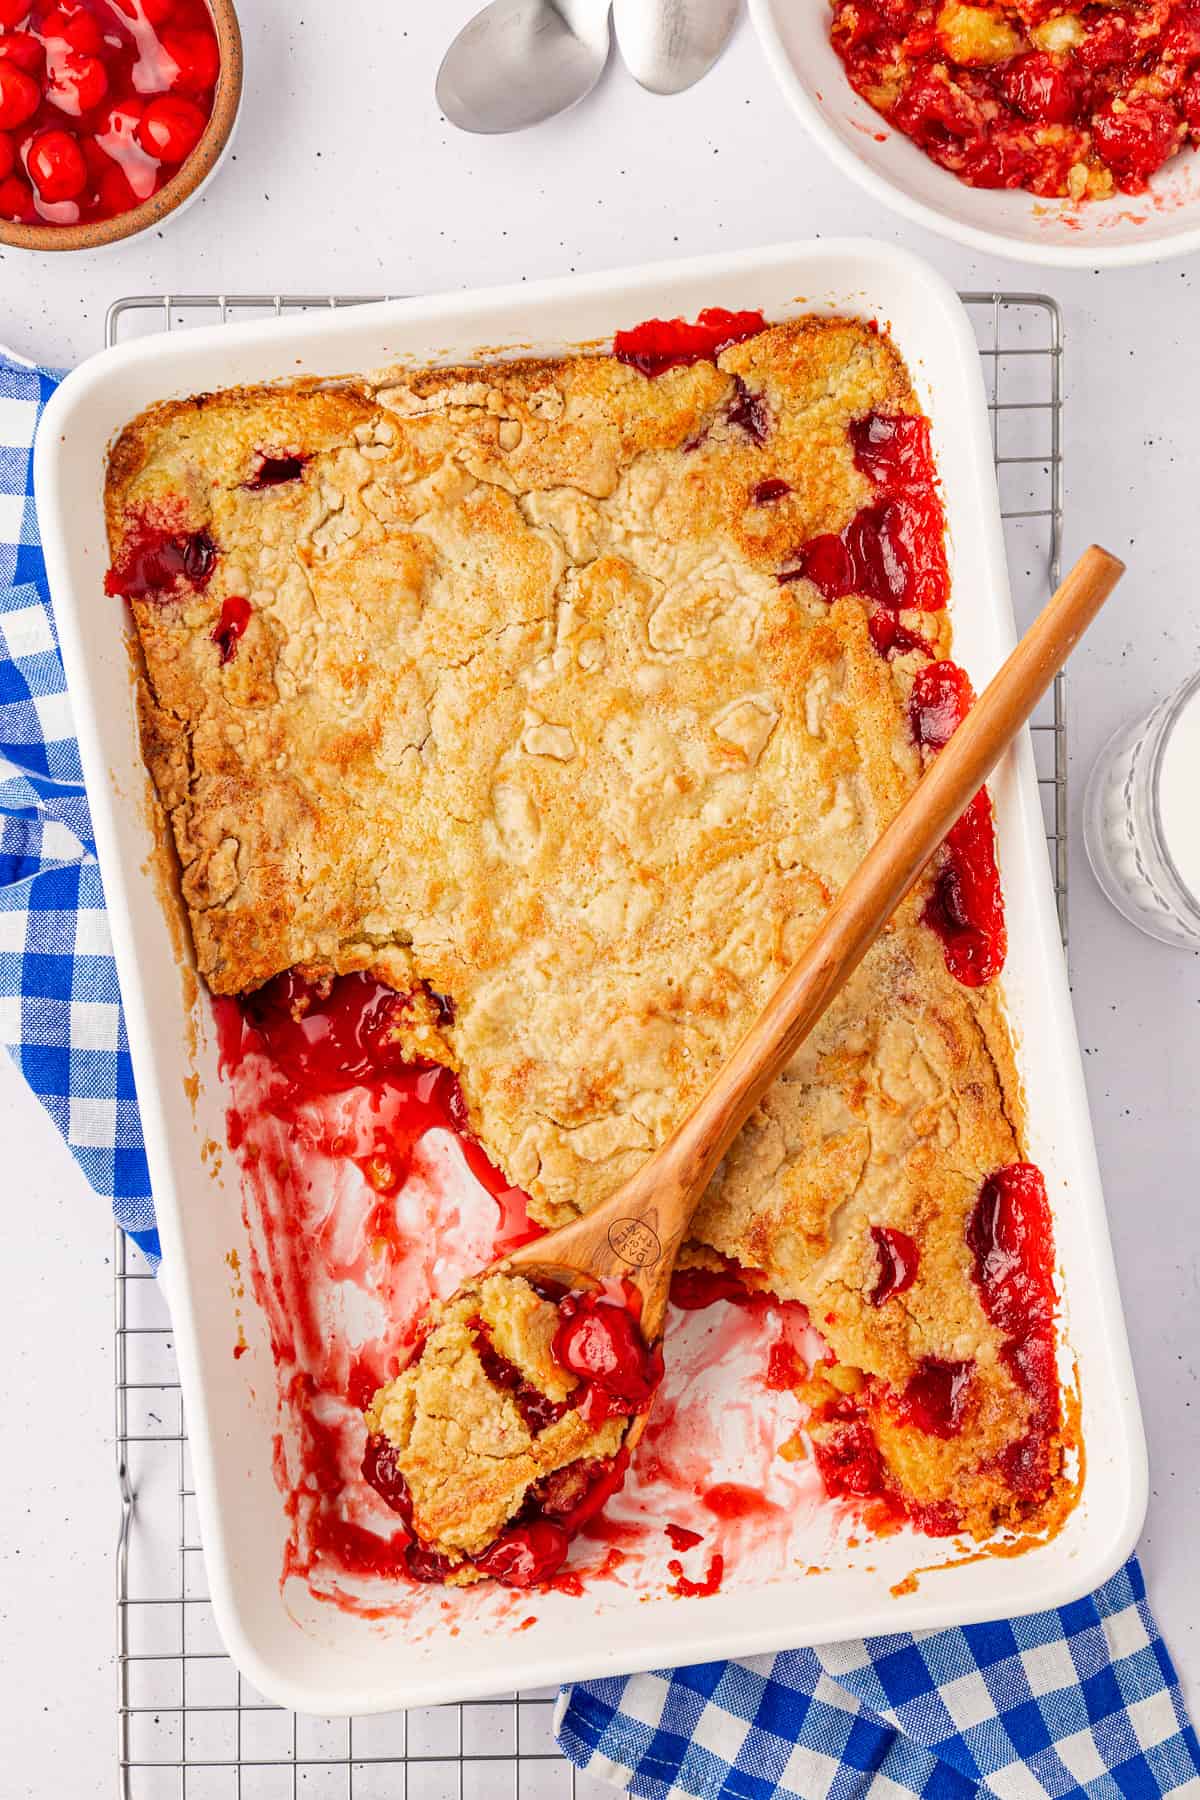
187	180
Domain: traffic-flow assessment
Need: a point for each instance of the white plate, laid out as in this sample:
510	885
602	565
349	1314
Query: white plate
313	1657
1130	228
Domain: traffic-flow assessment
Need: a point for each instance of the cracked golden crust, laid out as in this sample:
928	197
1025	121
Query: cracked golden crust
522	712
467	1454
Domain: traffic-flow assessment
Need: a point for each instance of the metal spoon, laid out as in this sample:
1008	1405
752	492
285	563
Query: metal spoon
669	44
521	61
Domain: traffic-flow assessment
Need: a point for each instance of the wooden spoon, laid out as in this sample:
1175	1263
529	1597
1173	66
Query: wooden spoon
636	1233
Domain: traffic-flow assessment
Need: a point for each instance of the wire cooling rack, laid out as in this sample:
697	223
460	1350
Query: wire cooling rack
190	1727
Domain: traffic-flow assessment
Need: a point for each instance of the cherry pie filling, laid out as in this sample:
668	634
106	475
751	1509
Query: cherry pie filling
101	102
1010	1237
966	907
657	345
1031	95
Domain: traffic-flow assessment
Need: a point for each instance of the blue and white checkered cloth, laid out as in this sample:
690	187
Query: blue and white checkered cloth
60	1006
1081	1701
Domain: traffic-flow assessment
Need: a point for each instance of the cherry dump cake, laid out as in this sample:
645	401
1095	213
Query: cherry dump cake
1078	102
518	723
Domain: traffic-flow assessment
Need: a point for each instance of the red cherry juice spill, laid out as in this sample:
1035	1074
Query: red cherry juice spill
657	345
898	1261
275	467
1011	1238
893	551
966	907
786	1367
733	1500
158	559
231	626
699	1590
681	1538
101	102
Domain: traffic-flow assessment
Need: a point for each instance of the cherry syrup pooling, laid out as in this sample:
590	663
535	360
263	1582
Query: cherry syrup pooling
159	557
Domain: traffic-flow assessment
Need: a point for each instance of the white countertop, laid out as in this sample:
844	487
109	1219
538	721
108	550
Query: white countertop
345	179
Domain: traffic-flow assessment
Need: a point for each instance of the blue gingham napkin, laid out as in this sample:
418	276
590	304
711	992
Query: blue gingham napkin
60	1006
1079	1701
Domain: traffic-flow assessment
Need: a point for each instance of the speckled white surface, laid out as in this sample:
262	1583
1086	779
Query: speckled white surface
345	178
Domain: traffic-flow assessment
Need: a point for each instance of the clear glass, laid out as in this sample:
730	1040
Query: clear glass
1123	827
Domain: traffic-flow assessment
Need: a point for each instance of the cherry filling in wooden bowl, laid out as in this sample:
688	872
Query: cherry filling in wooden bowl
112	113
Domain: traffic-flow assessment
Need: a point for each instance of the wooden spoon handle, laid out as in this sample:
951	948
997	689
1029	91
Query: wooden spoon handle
887	873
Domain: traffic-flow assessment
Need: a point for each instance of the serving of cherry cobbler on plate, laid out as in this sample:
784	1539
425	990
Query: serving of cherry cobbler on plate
1079	102
515	724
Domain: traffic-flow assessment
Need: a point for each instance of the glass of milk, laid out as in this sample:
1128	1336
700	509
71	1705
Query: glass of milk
1141	819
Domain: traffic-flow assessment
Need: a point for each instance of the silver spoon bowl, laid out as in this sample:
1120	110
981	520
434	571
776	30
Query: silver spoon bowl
669	44
521	61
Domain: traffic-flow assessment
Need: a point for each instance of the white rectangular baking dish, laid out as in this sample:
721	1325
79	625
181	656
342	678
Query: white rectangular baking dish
312	1657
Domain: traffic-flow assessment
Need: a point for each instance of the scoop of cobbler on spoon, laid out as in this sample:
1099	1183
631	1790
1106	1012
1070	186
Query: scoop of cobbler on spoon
508	1429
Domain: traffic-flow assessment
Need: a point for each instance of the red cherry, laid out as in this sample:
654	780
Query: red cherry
12	12
8	156
16	199
20	96
81	30
1181	39
116	195
78	83
196	57
525	1554
1191	102
56	166
170	128
1137	140
1039	88
156	11
23	49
